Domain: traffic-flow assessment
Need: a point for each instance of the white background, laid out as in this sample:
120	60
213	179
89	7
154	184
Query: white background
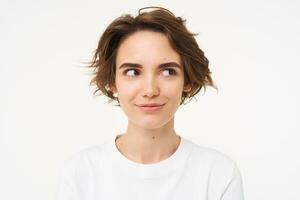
48	111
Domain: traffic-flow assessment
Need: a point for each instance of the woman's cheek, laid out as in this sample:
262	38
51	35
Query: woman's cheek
128	89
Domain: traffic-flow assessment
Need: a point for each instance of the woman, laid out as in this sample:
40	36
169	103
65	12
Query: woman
150	64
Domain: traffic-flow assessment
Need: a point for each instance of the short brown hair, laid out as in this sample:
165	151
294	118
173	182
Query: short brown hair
195	64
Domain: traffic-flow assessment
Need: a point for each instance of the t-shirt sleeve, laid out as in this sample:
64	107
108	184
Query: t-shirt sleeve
234	189
65	187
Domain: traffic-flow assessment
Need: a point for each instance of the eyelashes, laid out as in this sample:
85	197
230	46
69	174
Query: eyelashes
132	72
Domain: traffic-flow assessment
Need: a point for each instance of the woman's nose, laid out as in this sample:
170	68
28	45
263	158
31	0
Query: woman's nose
150	87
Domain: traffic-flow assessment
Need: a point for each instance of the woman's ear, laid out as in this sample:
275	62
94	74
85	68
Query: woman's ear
113	89
187	88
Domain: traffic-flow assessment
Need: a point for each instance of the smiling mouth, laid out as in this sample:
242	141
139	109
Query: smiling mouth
149	105
150	108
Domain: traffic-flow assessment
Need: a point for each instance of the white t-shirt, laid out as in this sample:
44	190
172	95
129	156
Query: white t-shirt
192	172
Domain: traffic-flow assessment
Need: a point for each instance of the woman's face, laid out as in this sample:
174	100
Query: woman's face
148	71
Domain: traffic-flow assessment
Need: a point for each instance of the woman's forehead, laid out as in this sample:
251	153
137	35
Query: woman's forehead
146	47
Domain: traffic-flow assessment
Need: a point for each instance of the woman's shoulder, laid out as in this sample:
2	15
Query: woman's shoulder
85	156
218	166
209	156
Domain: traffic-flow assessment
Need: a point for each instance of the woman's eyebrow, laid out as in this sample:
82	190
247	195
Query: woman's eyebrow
136	65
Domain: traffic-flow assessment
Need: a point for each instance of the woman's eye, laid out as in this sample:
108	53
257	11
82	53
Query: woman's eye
134	72
170	72
130	72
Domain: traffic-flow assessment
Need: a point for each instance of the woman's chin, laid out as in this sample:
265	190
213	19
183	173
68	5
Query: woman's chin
151	124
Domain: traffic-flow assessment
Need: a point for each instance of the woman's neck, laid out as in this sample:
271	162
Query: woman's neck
148	146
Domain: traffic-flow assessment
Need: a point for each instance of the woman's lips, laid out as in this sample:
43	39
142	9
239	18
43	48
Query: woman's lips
151	108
